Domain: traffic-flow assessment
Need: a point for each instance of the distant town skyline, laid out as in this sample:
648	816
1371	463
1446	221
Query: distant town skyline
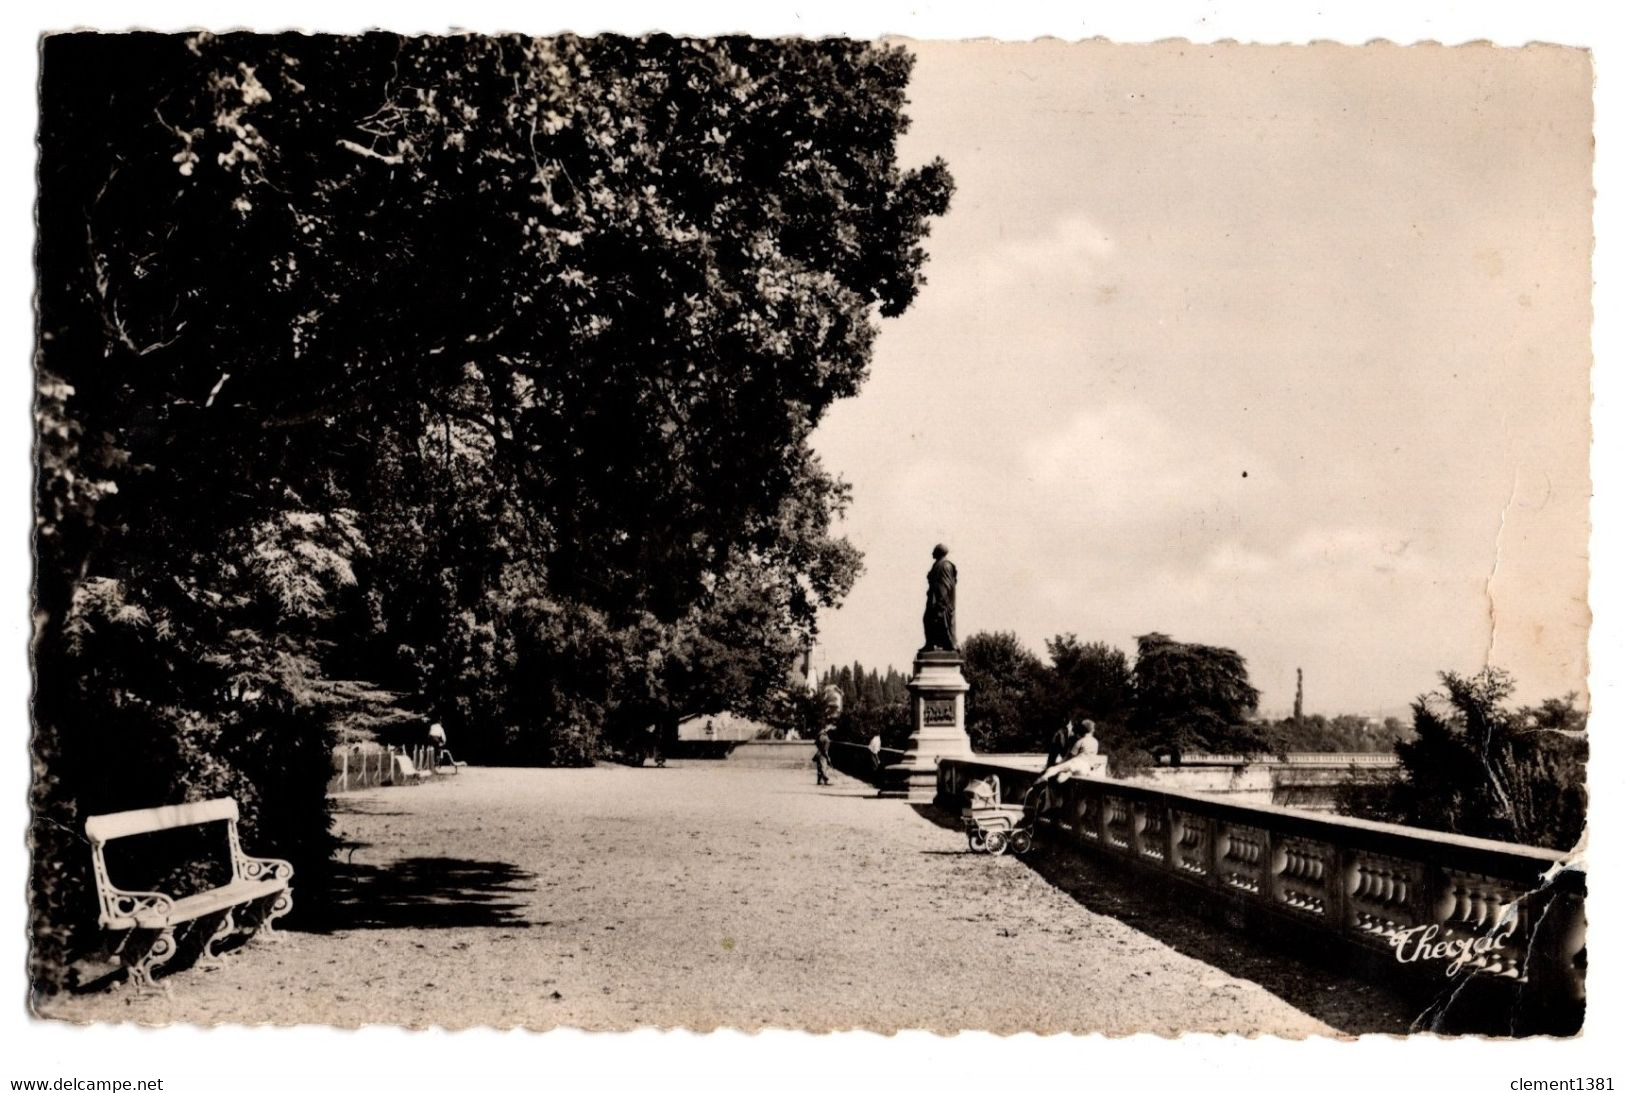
1284	349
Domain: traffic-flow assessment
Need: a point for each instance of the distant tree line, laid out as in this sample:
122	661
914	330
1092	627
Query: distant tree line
1470	762
1174	698
1342	733
871	702
859	685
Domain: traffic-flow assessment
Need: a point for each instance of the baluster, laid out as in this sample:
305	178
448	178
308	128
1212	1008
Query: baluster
1505	923
1116	823
1444	908
1479	908
1218	846
1137	821
1339	874
1511	916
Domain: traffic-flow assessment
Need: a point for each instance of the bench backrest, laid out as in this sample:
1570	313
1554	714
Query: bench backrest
139	821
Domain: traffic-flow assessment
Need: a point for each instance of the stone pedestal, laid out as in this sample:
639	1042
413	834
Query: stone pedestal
938	699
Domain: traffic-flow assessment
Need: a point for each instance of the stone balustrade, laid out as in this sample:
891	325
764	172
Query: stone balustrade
1376	759
1423	904
1301	780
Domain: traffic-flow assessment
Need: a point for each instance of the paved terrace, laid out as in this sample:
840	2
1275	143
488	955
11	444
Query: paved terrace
700	896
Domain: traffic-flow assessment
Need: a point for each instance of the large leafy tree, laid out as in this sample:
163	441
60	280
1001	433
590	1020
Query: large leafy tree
1092	680
1010	703
1190	697
1477	766
479	367
641	269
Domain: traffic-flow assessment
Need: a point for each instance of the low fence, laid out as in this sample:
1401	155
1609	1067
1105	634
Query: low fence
1313	782
783	754
363	768
858	761
354	769
1434	907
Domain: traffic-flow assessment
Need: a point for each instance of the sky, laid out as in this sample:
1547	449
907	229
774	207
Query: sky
1284	349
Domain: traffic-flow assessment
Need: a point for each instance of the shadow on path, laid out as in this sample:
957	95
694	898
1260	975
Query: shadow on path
864	794
1321	988
940	817
353	806
424	894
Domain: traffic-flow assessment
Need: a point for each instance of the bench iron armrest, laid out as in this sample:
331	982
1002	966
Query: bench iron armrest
119	905
263	869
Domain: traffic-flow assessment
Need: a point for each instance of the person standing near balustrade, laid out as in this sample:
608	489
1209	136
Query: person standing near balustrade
1058	744
1079	758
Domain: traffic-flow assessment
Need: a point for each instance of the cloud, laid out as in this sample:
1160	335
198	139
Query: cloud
1123	466
1155	383
1066	255
1117	522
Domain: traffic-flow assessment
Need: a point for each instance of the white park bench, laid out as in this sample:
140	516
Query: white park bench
259	889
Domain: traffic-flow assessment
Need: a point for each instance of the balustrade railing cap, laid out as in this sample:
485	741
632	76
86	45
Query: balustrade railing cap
1421	841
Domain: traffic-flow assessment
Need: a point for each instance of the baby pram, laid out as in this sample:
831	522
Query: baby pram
992	827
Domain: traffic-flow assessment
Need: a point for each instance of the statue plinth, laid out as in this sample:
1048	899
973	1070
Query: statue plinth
938	699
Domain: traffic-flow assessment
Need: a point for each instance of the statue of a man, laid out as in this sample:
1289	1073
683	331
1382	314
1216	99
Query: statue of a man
939	602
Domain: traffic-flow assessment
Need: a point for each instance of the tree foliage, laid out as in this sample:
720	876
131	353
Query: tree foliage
872	703
1175	698
1190	697
1093	682
811	710
1011	696
1477	766
474	370
1341	733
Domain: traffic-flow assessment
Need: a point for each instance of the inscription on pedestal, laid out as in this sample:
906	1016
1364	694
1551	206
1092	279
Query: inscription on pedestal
938	712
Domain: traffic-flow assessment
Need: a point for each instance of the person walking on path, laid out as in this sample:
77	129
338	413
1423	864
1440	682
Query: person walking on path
821	756
874	762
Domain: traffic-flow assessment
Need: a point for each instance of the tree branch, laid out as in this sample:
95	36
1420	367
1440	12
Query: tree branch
363	150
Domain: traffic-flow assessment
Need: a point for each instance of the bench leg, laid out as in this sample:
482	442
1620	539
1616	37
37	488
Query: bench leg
209	958
156	954
262	916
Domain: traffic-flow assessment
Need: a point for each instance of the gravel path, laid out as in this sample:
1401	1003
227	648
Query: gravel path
701	896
